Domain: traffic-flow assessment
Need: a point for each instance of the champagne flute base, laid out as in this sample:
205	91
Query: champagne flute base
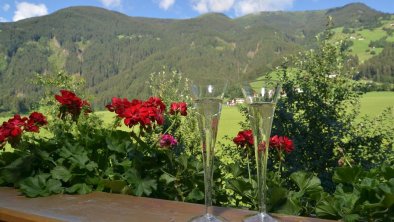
260	217
207	218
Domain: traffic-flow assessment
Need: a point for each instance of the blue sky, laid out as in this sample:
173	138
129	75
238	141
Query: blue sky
14	10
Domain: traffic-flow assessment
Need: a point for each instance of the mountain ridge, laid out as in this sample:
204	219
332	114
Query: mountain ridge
116	53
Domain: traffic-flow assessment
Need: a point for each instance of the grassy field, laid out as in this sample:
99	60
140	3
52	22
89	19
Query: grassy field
362	38
229	122
372	104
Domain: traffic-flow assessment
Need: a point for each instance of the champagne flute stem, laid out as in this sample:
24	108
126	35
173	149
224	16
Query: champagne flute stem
262	177
248	161
261	132
208	153
208	120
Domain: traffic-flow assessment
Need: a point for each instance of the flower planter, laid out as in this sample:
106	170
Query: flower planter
98	206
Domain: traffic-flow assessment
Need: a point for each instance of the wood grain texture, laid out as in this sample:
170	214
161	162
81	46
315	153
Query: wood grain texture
98	206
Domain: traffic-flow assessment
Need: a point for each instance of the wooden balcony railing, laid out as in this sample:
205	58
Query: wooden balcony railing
107	207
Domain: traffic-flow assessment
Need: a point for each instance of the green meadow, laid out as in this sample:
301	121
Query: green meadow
372	104
361	39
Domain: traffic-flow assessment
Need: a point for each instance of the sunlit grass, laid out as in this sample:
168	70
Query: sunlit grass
372	104
362	38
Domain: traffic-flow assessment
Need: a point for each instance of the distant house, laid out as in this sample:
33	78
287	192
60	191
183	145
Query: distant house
332	76
236	101
239	101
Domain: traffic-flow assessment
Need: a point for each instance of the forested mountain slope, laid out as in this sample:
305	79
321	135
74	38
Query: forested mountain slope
116	53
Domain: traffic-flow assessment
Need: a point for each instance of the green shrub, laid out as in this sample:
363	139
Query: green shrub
318	108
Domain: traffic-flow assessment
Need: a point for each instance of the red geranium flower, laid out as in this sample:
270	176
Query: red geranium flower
12	130
157	103
138	112
282	143
180	107
244	138
118	105
35	120
71	103
14	125
38	118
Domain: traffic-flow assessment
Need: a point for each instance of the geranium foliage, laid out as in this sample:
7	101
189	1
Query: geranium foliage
319	164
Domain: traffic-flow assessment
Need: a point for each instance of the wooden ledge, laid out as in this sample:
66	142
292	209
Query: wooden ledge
99	206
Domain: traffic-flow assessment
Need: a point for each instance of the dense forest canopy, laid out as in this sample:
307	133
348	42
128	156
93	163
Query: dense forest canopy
116	53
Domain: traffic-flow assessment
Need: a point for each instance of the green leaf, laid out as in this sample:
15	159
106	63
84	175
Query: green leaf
44	155
183	160
240	185
292	205
307	182
61	173
91	166
368	183
94	180
326	209
347	174
387	172
80	188
13	172
235	170
141	185
35	186
9	157
126	164
118	145
80	160
116	186
277	196
40	186
132	176
351	218
345	201
145	186
388	190
65	153
167	178
195	194
54	186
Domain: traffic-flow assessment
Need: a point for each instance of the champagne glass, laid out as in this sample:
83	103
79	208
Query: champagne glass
208	99
261	97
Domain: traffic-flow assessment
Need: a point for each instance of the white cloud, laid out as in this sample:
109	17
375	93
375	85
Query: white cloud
244	7
6	7
27	10
3	19
111	3
204	6
166	4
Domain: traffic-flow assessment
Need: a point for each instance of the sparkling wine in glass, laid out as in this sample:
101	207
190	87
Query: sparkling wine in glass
261	97
208	99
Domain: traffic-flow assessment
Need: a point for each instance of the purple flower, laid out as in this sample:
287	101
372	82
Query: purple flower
168	141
